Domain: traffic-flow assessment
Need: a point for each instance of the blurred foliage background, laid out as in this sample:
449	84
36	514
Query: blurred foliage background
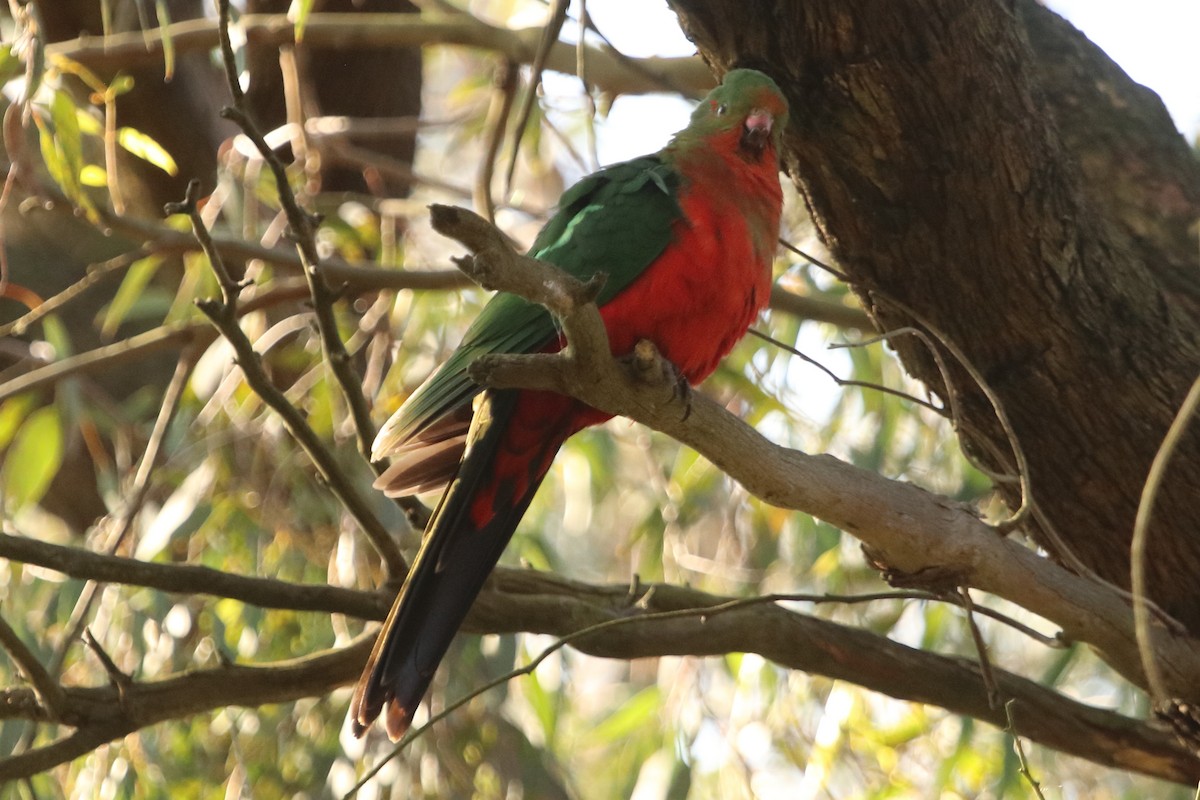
226	486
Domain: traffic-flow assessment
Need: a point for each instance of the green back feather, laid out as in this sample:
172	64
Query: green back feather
638	201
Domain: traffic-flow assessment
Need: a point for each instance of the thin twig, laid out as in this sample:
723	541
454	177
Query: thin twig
303	228
96	273
223	317
955	415
611	70
504	90
49	692
140	489
530	667
558	16
819	310
837	273
985	663
1020	749
1048	528
766	337
1010	433
228	60
115	676
133	349
581	69
1141	539
703	612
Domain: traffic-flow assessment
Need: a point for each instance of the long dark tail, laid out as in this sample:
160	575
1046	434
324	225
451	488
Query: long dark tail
509	449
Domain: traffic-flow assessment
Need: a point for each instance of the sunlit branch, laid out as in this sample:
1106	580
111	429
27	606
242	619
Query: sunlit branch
607	69
913	530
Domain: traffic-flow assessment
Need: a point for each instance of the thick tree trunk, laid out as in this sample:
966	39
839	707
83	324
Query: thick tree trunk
984	172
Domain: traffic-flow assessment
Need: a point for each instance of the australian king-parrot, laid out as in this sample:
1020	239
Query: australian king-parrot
686	237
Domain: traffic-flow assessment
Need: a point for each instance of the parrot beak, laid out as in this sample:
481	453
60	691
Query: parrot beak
756	131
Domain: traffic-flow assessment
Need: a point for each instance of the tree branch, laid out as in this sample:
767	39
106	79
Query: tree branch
798	305
909	528
49	693
665	620
190	579
135	348
607	69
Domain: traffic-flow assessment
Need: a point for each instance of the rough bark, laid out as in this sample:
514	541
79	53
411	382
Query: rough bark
983	171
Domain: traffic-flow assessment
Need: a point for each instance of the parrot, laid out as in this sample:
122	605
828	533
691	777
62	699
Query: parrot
686	237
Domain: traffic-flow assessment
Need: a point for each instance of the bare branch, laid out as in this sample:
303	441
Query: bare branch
190	579
819	310
49	694
664	620
222	314
911	528
607	69
303	227
133	349
524	600
141	486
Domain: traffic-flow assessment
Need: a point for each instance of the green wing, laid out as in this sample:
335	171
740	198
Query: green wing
616	221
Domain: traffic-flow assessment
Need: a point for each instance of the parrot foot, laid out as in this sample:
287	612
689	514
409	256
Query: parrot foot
937	580
651	367
1184	719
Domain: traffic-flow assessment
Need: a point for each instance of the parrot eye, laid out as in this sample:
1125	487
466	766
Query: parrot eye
722	110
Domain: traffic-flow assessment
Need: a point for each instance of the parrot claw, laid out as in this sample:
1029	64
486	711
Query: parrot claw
651	367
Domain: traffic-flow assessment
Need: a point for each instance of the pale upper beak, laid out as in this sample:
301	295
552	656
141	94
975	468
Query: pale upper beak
757	129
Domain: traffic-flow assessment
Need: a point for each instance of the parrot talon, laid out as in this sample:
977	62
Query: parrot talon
683	393
651	367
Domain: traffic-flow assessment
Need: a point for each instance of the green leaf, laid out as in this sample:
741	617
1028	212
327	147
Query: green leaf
56	334
67	136
544	704
50	155
121	84
164	21
87	123
61	143
10	64
34	458
12	411
130	291
145	148
303	8
639	711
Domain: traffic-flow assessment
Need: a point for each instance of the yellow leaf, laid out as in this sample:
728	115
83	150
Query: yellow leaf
145	148
92	175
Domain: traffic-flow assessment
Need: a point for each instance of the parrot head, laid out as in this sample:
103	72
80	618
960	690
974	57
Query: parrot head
747	110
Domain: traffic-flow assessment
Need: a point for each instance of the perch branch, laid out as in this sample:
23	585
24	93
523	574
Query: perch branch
913	529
